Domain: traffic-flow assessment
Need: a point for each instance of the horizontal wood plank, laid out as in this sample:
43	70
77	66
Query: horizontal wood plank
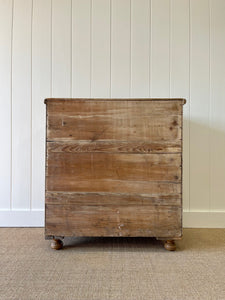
72	220
114	147
55	183
141	128
114	166
97	106
114	120
110	199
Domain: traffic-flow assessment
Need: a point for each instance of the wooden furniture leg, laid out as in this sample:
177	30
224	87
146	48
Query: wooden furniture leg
170	245
56	244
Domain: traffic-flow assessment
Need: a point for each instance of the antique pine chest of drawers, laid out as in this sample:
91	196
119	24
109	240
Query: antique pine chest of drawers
114	168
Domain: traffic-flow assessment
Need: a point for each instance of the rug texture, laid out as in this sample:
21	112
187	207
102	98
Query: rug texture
112	268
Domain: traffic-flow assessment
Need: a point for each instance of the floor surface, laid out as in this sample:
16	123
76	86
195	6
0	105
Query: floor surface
112	268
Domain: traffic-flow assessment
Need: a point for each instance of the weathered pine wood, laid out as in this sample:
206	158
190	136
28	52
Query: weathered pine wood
69	220
114	168
114	120
131	128
110	199
56	183
114	147
88	166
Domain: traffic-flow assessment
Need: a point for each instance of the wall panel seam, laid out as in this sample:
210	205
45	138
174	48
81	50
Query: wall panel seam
71	50
170	45
150	48
31	102
189	102
91	34
210	109
51	53
110	52
11	95
130	87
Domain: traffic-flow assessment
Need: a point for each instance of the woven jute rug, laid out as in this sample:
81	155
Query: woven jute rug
112	268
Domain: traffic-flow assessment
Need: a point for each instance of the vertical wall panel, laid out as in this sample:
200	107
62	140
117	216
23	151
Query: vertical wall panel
100	69
111	48
160	48
5	102
61	48
120	48
217	135
179	70
21	104
140	42
199	106
81	42
41	89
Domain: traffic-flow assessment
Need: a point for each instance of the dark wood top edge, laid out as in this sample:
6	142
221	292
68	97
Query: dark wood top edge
182	100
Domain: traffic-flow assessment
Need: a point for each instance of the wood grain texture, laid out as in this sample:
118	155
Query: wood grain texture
114	167
114	120
63	105
114	220
54	183
109	199
114	147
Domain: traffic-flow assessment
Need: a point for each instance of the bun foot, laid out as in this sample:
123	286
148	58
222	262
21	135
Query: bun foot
56	244
170	245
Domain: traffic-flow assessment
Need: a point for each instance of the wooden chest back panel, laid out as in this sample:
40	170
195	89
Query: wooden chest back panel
114	167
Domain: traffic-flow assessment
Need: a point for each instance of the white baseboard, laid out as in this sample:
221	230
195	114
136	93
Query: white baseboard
203	219
21	218
35	218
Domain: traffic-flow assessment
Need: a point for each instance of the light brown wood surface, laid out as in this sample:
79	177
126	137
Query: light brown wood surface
114	147
105	220
114	167
114	120
89	166
108	199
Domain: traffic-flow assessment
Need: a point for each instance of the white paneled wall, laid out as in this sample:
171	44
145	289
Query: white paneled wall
111	48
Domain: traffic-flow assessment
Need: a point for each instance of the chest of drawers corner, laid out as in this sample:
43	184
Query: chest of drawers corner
114	168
